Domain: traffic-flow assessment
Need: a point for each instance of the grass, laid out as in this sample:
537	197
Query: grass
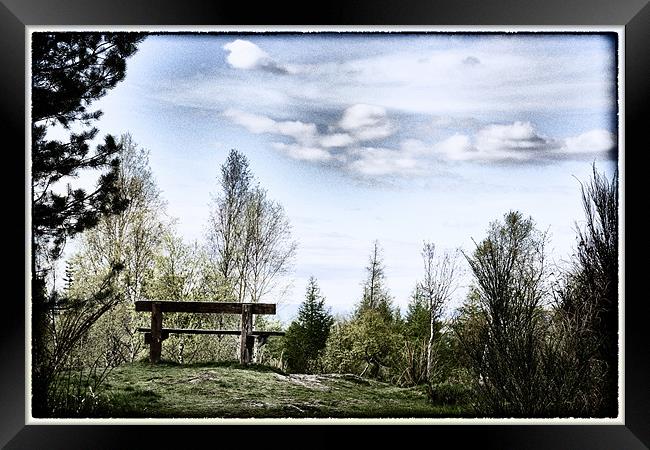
229	390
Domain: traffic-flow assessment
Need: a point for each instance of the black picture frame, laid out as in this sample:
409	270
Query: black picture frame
15	15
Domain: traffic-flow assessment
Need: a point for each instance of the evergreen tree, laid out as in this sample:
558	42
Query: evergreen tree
417	321
369	343
376	296
307	335
69	72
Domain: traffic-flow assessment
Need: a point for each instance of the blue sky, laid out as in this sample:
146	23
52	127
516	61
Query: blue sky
396	137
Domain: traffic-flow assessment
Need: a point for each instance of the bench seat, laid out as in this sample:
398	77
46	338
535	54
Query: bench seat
202	331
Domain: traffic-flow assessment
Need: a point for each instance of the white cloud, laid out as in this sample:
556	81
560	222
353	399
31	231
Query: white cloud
471	61
373	162
516	75
245	55
593	141
366	122
520	141
304	133
511	138
457	147
449	122
304	153
336	140
252	122
516	142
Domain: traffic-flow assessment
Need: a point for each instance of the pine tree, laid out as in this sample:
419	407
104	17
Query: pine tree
417	323
307	335
376	296
69	72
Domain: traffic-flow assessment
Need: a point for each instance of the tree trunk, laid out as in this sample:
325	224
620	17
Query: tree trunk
430	343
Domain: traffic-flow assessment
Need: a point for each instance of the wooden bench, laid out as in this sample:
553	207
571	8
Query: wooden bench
156	334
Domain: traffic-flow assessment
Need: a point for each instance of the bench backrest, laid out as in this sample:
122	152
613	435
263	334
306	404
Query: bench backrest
206	307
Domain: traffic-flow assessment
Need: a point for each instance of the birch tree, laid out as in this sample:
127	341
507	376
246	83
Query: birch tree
436	288
249	235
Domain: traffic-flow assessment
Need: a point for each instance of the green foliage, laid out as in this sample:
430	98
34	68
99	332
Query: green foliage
504	345
307	336
376	296
134	238
69	72
585	325
448	393
418	317
182	272
249	235
75	392
368	345
296	358
272	353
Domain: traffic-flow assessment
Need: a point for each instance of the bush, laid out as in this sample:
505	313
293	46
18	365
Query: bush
448	393
368	345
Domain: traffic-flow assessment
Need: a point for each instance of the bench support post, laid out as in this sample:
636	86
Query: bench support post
155	347
246	341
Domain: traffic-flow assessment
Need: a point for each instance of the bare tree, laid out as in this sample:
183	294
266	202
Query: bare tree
436	288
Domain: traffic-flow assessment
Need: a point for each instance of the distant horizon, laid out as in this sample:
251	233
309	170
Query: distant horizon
396	137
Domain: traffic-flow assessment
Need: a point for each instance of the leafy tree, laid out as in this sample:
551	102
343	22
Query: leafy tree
181	272
269	245
307	336
226	233
366	345
510	273
249	236
132	237
69	72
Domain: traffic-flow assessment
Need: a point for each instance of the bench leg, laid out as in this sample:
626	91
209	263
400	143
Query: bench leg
250	348
245	348
155	347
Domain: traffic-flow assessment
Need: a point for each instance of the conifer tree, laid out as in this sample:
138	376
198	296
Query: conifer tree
376	296
307	335
69	72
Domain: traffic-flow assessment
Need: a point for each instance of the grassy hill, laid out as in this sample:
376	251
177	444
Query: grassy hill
230	390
